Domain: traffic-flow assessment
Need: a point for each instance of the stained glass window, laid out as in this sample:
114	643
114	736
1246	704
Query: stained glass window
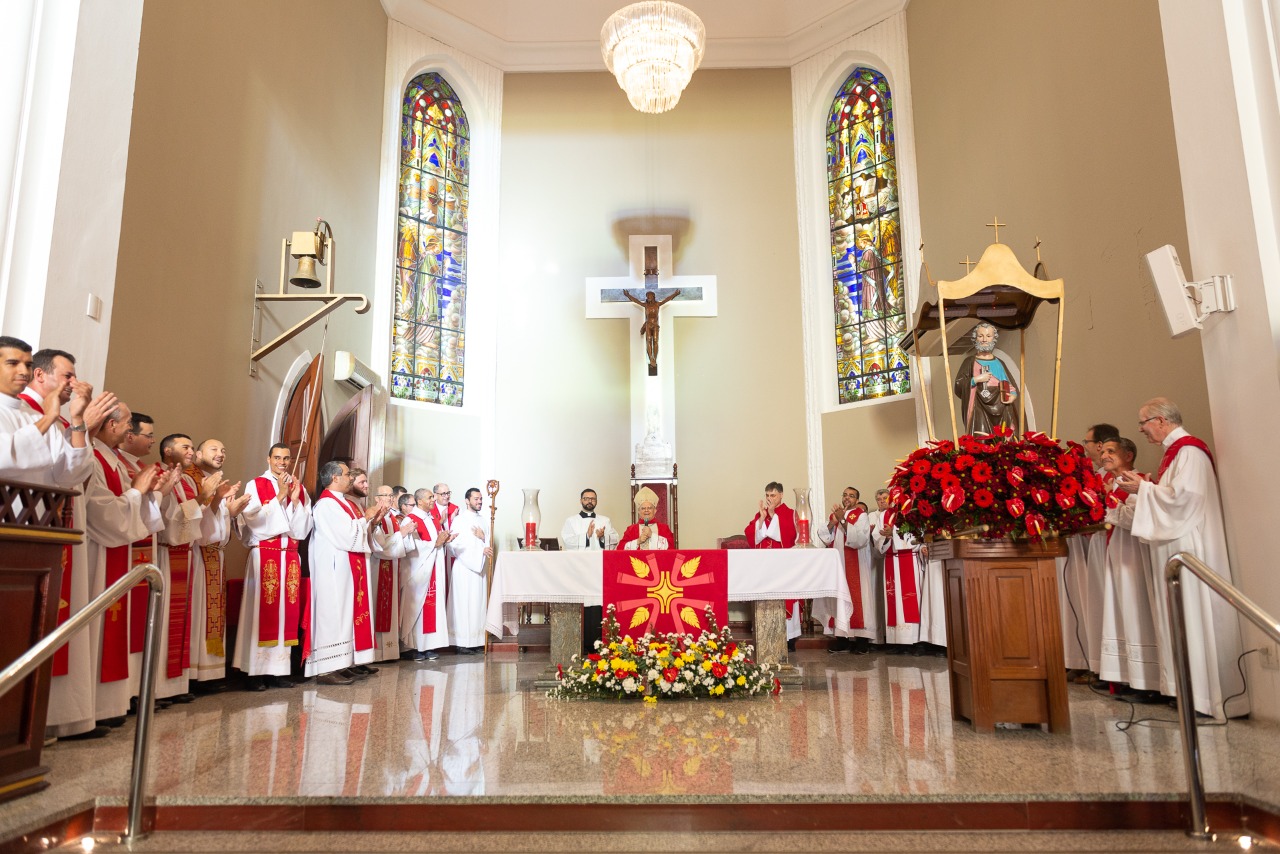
429	323
866	240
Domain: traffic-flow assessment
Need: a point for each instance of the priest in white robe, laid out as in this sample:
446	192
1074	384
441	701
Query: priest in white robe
469	545
1130	654
60	455
393	542
177	555
275	519
340	633
848	531
119	510
903	585
424	622
1181	511
209	586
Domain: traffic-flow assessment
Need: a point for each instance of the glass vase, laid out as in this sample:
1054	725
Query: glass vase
804	518
530	518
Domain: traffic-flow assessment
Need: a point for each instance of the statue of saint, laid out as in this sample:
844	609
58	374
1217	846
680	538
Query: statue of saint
985	385
649	329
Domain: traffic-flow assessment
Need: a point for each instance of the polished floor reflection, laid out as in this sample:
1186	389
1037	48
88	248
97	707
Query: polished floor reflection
873	728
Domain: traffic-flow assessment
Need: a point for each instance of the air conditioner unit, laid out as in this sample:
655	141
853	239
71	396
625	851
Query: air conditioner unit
350	370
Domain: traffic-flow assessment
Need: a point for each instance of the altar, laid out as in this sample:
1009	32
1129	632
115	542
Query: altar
575	578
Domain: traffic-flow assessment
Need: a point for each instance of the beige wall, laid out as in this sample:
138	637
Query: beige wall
1057	118
576	159
250	120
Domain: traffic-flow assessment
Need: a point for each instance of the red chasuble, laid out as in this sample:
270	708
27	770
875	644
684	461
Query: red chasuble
61	662
632	535
360	578
115	625
279	573
852	573
786	527
429	604
1172	451
386	583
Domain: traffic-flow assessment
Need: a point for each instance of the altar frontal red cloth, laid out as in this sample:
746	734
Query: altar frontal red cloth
666	591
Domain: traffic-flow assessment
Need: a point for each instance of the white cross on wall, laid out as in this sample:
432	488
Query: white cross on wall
652	397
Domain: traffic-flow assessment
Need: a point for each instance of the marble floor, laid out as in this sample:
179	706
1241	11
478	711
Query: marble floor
873	730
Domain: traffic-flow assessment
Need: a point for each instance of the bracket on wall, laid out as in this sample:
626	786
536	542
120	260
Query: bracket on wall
327	297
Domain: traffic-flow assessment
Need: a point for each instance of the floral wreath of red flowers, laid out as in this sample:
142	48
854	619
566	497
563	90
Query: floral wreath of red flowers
996	486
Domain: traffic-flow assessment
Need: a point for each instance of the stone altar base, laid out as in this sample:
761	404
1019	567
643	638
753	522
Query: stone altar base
770	627
566	639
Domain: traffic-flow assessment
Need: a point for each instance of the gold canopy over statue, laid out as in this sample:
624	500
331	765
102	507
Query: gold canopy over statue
997	294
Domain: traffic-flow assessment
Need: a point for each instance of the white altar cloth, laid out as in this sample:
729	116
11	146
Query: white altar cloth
754	575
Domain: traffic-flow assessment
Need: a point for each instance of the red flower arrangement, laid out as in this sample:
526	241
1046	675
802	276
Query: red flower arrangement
996	486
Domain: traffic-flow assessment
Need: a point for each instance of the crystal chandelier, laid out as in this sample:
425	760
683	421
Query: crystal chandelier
653	48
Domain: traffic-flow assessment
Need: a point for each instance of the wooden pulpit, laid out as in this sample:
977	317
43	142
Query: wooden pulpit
1004	632
32	538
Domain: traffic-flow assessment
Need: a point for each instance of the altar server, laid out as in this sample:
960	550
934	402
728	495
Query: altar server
1180	510
393	542
275	519
119	510
470	549
848	531
341	627
1129	640
424	626
587	529
42	447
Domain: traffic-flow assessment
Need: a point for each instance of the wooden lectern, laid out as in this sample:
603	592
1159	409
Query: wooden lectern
32	537
1004	632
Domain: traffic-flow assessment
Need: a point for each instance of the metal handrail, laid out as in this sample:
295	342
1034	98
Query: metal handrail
1182	666
26	663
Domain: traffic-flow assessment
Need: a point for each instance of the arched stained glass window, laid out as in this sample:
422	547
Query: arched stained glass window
866	240
429	323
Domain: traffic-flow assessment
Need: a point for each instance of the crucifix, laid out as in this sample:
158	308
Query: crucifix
997	225
662	296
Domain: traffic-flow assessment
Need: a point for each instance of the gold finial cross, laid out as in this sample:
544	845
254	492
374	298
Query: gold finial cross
997	225
1037	249
968	265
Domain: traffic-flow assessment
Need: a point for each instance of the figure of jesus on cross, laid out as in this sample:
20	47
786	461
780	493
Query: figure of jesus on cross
649	329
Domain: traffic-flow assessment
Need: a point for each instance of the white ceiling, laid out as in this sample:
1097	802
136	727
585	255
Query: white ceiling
564	35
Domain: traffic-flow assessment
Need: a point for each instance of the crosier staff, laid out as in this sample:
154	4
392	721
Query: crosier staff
492	489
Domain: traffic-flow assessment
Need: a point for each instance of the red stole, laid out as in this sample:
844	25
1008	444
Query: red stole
360	578
443	524
61	661
900	581
179	640
386	584
1172	451
115	626
787	528
429	604
142	551
279	571
853	573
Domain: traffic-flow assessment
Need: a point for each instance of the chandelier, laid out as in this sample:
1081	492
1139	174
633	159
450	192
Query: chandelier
653	48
